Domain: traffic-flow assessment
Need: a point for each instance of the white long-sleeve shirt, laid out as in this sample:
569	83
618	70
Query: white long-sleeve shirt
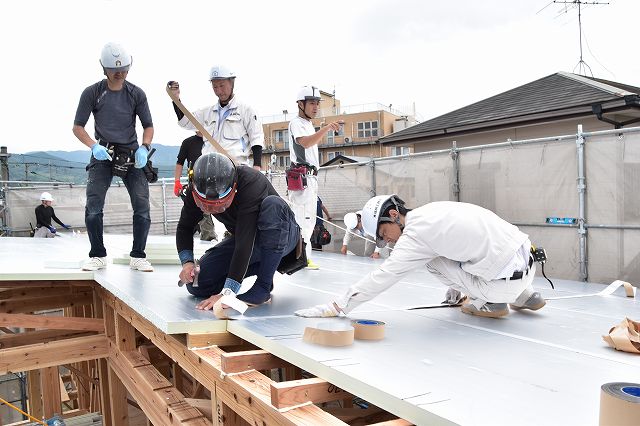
235	127
482	242
355	231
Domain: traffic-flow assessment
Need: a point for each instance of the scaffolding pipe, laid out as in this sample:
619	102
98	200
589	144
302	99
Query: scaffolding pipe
582	186
455	186
372	164
164	207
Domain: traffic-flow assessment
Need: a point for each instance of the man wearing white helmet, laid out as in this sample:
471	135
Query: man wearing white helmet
303	150
468	248
44	215
232	123
353	223
115	103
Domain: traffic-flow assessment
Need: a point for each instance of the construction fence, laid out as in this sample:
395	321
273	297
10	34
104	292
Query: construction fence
575	195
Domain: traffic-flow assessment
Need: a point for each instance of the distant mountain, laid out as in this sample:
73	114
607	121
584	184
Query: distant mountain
69	166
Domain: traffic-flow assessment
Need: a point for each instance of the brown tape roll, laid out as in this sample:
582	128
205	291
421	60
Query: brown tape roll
330	333
368	329
620	404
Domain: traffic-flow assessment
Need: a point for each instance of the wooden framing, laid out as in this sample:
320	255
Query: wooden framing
113	354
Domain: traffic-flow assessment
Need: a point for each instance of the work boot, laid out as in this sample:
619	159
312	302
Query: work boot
534	301
94	263
490	310
256	295
140	264
312	265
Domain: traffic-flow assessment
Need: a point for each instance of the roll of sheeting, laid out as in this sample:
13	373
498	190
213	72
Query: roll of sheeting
620	404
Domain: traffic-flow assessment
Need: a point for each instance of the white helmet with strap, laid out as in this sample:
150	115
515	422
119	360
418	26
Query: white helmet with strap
221	72
309	93
45	196
373	211
114	58
350	221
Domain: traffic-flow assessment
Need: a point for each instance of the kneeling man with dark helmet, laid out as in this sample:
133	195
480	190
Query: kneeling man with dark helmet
264	234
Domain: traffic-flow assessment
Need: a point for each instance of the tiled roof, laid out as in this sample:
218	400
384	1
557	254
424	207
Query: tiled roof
556	92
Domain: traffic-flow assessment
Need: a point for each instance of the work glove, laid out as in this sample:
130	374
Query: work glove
318	311
177	187
453	297
142	154
66	226
52	229
100	152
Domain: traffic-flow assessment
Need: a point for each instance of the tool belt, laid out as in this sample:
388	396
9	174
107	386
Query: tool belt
296	176
121	158
295	260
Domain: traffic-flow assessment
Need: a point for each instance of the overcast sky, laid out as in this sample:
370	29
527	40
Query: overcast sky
440	55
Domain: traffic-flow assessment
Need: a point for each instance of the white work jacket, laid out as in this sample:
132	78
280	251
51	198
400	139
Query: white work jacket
239	130
481	241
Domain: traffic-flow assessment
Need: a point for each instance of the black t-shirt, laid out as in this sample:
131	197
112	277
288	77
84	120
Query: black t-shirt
44	214
241	218
190	150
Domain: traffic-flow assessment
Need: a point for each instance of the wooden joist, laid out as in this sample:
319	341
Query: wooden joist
31	304
48	283
235	362
39	336
316	390
50	322
202	340
51	354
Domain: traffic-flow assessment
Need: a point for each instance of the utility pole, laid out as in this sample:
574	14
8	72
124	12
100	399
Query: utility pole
26	171
581	66
4	163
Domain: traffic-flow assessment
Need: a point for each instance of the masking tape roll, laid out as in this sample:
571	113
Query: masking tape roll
365	329
329	333
620	404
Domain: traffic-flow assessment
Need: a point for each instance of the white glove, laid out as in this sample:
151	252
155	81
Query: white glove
453	297
318	311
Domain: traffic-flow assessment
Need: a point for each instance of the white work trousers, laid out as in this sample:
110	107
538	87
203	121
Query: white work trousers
304	204
479	290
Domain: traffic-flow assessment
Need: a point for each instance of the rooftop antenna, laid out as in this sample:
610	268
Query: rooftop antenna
582	67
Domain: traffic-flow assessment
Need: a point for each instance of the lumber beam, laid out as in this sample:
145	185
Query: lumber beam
51	354
48	283
235	362
34	394
40	336
242	395
316	390
203	340
51	396
50	322
31	304
396	422
26	292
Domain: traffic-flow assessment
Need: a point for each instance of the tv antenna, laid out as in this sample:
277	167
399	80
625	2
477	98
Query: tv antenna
582	67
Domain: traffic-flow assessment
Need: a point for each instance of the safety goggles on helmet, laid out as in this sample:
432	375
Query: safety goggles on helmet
217	205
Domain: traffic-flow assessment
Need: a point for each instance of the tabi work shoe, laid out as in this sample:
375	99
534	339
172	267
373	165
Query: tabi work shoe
490	310
534	302
312	265
94	263
140	264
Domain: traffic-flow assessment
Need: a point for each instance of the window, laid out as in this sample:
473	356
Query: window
331	134
284	161
281	136
334	154
368	129
400	150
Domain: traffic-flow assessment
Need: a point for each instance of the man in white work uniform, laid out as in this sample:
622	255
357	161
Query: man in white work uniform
303	150
353	223
232	123
468	248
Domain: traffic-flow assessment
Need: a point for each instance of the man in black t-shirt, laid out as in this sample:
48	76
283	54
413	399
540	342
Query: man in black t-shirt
263	230
44	215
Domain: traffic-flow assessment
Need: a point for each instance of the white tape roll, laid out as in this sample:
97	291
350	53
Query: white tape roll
620	404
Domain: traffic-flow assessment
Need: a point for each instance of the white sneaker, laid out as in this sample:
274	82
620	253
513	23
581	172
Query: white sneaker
94	263
140	264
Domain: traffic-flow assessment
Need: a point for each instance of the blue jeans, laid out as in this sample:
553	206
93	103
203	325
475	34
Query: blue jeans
99	180
277	235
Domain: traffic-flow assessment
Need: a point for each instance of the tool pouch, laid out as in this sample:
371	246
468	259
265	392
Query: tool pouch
296	176
150	172
122	160
295	260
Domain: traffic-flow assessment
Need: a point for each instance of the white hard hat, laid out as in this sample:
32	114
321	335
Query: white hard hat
350	220
220	72
115	58
308	93
45	196
371	212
